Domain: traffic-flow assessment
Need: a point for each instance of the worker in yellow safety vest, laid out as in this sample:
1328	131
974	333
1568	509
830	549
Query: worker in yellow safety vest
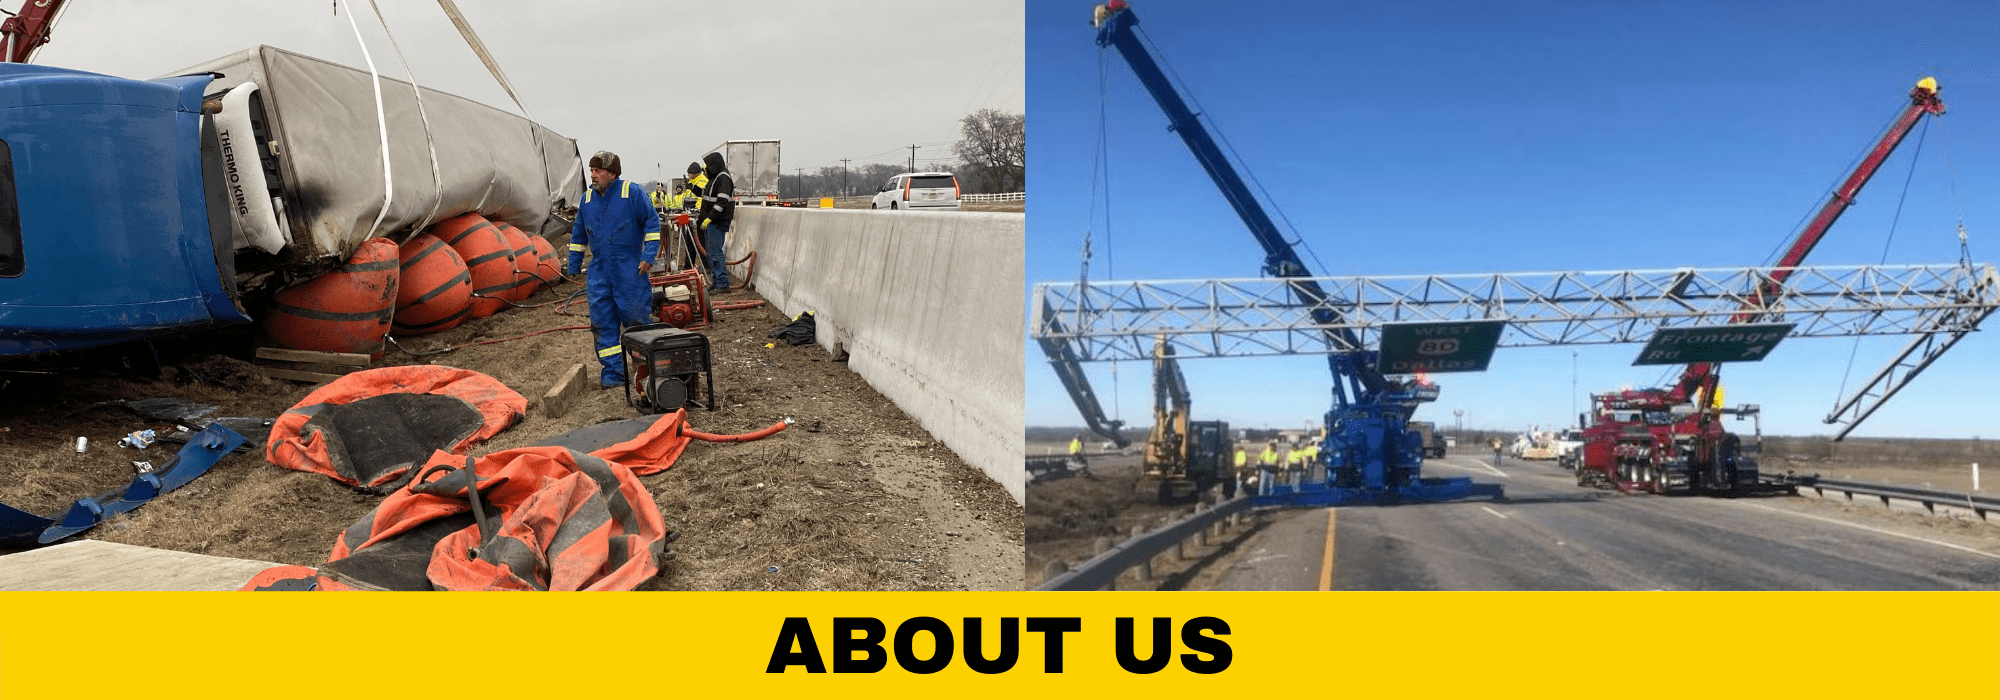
1269	458
1076	446
1242	458
661	200
690	197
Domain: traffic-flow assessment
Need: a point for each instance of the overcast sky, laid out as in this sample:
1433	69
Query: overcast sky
653	81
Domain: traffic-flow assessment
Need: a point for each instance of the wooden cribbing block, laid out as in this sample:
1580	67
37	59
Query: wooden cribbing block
563	395
294	375
354	359
308	365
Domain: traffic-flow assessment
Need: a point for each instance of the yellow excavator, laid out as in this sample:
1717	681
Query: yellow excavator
1183	457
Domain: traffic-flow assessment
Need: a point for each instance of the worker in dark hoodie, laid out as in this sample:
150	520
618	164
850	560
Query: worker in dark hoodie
718	211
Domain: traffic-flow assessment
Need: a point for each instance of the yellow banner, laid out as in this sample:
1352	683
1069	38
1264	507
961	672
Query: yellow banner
885	645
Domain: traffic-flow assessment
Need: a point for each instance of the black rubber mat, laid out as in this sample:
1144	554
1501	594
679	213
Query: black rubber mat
399	563
592	438
381	435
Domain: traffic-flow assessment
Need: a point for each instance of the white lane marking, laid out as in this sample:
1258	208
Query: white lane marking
1497	514
1878	530
1477	465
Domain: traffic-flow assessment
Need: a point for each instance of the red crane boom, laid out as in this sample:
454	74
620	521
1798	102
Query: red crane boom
27	31
1648	439
1923	100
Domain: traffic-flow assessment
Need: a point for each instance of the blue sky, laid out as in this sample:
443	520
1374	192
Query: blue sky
1468	137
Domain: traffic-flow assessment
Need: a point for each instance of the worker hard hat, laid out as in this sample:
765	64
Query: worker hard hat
606	160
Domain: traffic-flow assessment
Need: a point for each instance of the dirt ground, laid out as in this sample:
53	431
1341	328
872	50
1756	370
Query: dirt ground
1069	518
855	495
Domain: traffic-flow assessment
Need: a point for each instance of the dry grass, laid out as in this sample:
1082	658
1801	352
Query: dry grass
821	517
1915	452
761	507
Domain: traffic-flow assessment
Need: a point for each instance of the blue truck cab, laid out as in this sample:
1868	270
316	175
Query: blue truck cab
114	212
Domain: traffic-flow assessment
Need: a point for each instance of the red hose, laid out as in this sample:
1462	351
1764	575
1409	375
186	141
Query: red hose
746	437
747	272
734	305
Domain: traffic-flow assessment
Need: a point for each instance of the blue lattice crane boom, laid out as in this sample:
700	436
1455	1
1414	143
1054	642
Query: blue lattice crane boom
1369	451
1114	30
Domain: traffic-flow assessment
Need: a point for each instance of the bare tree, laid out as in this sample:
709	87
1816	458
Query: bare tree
995	146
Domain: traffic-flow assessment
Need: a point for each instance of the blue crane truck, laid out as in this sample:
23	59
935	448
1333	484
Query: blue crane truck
1371	452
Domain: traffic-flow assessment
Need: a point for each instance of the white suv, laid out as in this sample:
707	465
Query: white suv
917	191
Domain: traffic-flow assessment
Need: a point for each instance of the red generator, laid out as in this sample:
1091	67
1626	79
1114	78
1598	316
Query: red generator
680	299
667	368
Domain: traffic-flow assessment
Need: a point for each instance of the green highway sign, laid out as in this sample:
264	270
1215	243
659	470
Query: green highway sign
1448	346
1744	343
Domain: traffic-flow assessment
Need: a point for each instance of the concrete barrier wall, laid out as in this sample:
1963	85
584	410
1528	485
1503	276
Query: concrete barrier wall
926	304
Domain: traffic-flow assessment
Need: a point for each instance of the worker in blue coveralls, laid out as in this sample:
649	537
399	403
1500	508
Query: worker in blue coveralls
617	224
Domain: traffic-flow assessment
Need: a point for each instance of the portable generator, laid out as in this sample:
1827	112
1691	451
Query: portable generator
667	368
680	299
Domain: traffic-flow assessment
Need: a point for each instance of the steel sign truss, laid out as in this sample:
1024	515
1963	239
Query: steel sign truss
1113	320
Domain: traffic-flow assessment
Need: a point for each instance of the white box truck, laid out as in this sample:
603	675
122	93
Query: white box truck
754	166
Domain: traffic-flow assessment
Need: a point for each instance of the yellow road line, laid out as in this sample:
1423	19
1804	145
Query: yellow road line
1326	562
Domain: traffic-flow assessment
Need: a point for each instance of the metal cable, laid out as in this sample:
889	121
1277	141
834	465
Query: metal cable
1201	113
430	144
381	120
1894	220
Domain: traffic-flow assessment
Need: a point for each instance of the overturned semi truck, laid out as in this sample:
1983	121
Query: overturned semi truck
131	209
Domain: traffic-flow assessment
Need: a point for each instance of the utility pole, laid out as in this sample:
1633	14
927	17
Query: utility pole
843	177
1572	386
913	157
800	173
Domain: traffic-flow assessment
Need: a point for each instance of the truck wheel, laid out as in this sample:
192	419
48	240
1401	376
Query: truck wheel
892	206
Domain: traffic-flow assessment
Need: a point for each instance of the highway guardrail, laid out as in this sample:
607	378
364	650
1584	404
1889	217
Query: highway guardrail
1002	197
1979	505
1101	572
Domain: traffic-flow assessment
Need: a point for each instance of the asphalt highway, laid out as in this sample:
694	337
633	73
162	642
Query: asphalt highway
1549	534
